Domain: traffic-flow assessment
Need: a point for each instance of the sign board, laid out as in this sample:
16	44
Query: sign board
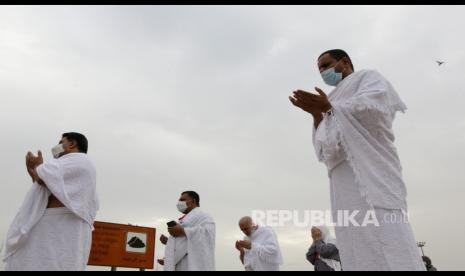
121	245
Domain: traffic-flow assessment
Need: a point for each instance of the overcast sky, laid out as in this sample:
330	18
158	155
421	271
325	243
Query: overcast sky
176	98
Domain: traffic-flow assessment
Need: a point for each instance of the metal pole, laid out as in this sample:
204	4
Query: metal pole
113	268
421	244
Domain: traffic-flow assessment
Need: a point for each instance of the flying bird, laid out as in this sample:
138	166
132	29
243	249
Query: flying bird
439	62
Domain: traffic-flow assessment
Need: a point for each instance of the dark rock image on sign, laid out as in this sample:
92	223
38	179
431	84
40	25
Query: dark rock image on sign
135	242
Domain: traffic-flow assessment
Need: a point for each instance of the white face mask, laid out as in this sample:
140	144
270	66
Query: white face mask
57	150
182	206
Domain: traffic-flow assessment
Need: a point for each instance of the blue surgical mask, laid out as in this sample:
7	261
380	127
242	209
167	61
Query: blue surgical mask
331	77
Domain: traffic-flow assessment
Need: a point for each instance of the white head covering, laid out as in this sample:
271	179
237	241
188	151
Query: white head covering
326	234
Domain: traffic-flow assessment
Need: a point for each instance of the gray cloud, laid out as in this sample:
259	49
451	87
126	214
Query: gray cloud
175	98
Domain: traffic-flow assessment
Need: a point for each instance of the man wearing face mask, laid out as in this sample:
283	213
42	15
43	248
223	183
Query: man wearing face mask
259	251
191	245
353	136
53	228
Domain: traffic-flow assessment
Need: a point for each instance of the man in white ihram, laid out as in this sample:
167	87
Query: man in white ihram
53	228
259	251
191	245
353	136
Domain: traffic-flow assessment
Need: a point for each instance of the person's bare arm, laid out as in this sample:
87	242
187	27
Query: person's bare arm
36	178
241	250
317	118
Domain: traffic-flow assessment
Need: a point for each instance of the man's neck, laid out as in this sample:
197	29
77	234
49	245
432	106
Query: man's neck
73	151
191	210
349	72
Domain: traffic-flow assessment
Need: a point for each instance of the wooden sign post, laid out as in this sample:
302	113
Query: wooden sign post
121	245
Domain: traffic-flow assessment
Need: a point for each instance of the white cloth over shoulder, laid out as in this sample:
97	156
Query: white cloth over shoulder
265	254
200	240
364	107
175	252
60	241
72	180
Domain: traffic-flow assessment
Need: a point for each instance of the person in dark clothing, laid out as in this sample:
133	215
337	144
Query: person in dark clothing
323	253
428	264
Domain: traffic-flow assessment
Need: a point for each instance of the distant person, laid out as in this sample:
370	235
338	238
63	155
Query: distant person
259	251
323	253
53	228
428	264
353	136
191	245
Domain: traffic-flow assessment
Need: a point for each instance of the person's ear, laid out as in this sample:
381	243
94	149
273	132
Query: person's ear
72	144
347	62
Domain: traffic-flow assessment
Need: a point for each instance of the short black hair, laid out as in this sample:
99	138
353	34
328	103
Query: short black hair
338	54
80	139
195	196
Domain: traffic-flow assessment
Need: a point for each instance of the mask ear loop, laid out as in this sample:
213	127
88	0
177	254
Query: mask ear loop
342	72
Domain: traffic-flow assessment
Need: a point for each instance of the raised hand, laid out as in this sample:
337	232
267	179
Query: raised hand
163	239
311	103
33	161
245	244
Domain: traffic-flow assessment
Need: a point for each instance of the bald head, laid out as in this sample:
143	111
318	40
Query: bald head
245	221
247	226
